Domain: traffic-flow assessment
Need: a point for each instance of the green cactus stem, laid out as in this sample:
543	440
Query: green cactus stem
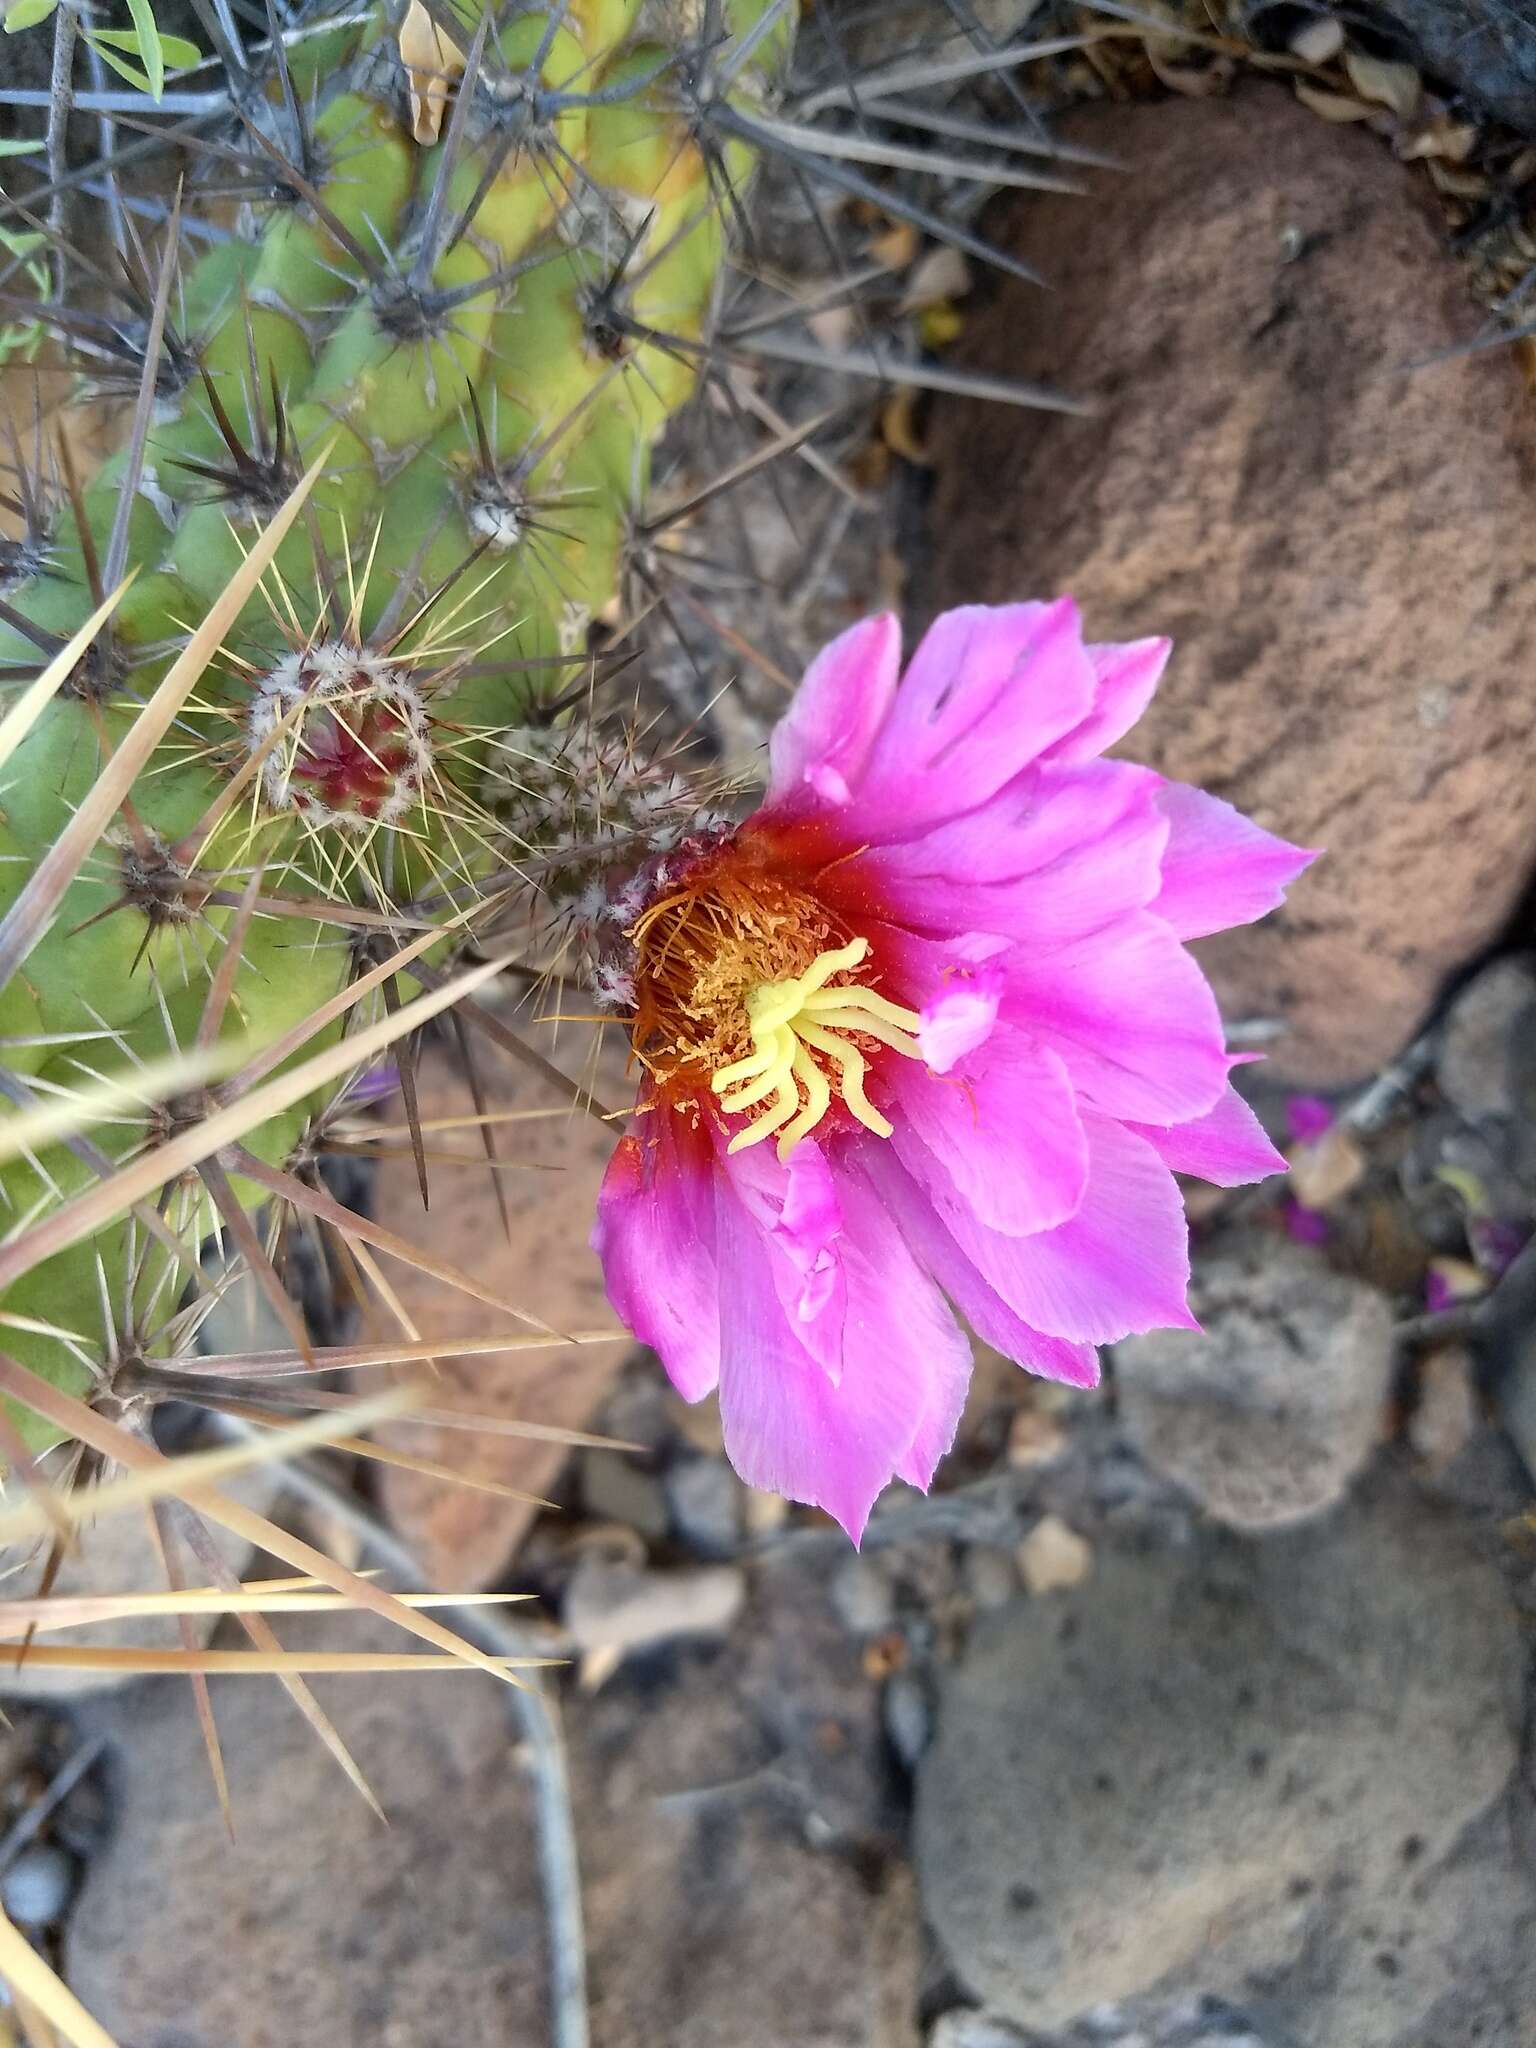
478	288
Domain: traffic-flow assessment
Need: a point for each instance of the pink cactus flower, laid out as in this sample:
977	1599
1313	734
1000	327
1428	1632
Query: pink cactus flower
1496	1243
1309	1117
375	1084
1306	1226
923	1031
1439	1294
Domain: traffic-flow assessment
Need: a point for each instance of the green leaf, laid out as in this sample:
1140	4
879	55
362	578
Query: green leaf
116	46
180	55
150	48
22	338
97	38
10	147
27	13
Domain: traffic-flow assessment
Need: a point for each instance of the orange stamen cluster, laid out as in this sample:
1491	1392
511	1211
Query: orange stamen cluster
699	952
747	992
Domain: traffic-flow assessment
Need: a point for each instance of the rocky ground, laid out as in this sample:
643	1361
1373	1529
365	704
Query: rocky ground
1192	1711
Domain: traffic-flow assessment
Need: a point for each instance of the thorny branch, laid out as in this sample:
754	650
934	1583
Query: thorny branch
61	100
1504	1313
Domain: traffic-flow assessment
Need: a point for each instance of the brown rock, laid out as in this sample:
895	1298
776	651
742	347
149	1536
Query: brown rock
465	1537
1343	548
729	1806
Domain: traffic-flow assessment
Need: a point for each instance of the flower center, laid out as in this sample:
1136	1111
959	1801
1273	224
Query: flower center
799	1029
745	988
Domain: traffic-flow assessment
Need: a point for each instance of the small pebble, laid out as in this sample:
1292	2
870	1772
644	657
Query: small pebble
594	1668
1053	1557
963	2027
1484	1063
1317	40
1325	1171
941	273
1516	1397
614	1489
36	1888
884	1654
764	1512
698	1422
640	1410
991	1578
1267	1414
612	1606
1035	1437
705	1499
908	1715
863	1596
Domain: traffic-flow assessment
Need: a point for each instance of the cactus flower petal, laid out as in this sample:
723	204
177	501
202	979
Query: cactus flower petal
1228	1146
924	1026
904	1370
1220	869
1003	1129
655	1234
1125	678
959	1016
823	740
988	689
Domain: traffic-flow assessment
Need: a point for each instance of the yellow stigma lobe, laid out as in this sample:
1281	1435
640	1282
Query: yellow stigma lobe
800	1051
